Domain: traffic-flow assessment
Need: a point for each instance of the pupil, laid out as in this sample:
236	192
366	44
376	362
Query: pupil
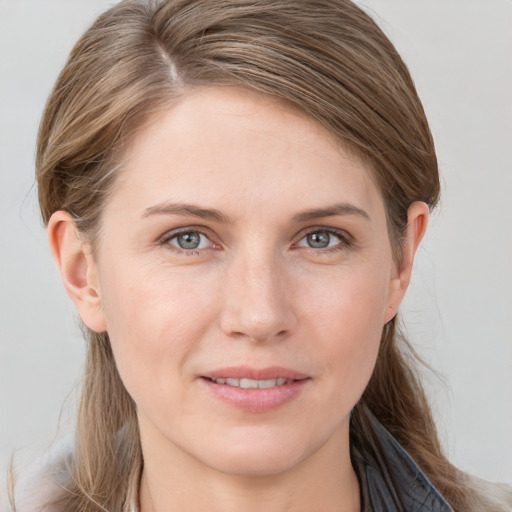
189	240
318	240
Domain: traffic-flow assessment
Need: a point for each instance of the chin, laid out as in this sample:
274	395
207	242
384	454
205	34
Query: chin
256	464
257	457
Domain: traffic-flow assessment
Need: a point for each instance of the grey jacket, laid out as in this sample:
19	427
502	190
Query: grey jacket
381	492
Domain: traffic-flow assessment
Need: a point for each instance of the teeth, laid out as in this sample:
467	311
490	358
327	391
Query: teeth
248	383
251	383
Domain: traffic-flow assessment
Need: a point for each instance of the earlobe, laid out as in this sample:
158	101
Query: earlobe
77	269
417	220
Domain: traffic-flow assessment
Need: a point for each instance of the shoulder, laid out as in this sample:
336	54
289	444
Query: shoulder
390	479
394	477
498	495
42	488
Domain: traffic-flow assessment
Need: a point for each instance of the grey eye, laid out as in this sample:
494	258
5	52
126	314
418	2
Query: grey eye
319	239
188	240
322	239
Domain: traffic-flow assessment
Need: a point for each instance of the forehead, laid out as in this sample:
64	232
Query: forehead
239	149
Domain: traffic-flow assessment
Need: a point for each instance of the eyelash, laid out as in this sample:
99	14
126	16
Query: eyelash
346	241
166	239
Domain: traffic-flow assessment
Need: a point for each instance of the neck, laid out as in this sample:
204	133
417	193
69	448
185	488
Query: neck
324	481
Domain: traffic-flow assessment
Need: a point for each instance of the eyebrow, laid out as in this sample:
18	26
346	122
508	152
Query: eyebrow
168	208
338	209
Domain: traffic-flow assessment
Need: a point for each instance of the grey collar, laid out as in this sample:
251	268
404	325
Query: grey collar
382	491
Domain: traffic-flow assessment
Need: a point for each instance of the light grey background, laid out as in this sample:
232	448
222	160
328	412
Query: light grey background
459	309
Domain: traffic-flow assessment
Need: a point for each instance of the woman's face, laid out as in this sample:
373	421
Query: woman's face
241	243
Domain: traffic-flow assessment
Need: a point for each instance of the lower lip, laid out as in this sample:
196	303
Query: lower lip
256	400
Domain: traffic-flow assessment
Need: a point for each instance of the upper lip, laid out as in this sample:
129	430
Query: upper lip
247	372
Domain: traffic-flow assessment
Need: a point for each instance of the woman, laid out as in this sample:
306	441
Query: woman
234	193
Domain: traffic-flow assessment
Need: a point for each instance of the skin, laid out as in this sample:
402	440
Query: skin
253	293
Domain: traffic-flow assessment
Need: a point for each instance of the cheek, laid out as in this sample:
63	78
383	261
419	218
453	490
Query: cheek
347	322
349	300
155	322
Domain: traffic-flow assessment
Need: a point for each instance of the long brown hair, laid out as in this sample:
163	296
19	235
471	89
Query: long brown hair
326	58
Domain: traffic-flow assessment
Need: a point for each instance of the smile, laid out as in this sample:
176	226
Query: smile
252	383
255	390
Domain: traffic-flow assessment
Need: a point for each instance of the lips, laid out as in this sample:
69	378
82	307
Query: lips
247	372
255	390
252	383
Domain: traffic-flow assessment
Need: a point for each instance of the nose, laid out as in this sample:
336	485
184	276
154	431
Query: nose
257	300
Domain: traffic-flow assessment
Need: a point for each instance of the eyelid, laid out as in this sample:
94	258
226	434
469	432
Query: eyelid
172	233
346	239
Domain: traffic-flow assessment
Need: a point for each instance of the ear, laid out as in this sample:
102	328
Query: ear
417	220
77	269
